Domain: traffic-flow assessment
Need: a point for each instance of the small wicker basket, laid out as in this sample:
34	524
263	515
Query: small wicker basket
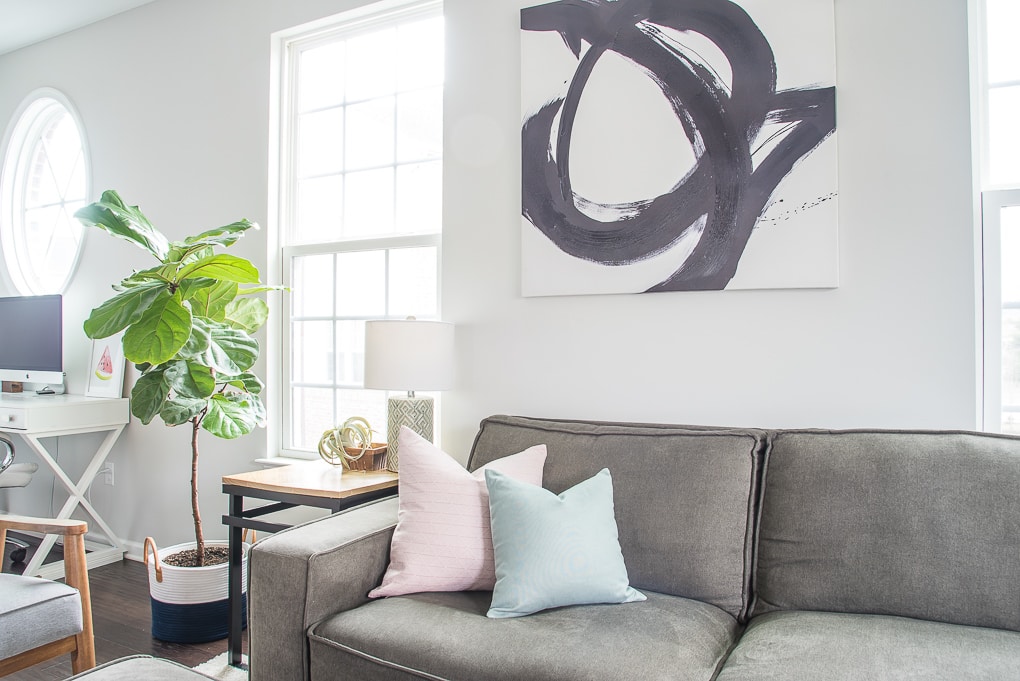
374	458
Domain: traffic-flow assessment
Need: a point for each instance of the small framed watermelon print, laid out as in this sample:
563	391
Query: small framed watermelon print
106	368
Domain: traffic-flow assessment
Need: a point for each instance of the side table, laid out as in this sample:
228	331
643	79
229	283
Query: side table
316	484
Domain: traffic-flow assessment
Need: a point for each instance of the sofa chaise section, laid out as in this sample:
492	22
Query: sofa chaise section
808	646
886	555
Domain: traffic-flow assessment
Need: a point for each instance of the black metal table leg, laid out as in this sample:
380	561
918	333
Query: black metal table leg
236	616
237	520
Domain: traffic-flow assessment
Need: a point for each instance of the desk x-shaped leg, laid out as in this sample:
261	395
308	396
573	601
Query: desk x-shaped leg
76	498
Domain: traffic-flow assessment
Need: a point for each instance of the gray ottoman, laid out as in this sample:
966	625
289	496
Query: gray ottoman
141	667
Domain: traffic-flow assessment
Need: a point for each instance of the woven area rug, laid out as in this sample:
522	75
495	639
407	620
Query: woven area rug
218	668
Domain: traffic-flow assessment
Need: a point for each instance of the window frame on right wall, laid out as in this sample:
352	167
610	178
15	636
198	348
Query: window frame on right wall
999	188
1001	405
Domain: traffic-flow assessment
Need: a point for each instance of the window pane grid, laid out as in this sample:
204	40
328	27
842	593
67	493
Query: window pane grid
1000	73
327	356
1003	135
365	208
1003	50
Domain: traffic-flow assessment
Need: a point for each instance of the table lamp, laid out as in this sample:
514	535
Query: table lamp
408	354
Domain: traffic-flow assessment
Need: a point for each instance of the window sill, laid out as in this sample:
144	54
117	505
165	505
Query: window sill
276	461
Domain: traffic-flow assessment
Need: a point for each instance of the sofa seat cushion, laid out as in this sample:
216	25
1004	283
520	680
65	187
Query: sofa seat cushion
448	636
807	646
34	612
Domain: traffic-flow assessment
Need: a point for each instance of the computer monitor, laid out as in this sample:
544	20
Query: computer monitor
31	340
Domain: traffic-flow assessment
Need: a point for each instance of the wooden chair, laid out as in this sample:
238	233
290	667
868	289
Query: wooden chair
39	618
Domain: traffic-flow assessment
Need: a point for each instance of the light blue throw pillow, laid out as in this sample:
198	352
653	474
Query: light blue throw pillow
551	550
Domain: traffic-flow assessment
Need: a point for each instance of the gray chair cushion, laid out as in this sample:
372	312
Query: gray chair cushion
809	646
139	668
683	497
448	636
34	612
917	524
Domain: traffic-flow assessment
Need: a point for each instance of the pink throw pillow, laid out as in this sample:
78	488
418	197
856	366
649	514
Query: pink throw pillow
442	541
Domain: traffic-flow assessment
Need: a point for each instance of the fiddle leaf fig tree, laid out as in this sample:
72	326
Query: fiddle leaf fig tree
187	324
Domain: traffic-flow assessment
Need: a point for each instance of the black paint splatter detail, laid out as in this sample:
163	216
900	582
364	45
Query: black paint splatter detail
720	123
791	212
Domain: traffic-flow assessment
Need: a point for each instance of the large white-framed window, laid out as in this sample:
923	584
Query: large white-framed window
44	180
998	118
360	202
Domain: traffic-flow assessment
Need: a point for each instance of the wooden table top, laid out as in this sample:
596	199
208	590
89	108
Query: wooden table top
314	478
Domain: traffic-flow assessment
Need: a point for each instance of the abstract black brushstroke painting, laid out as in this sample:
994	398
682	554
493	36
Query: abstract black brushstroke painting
736	105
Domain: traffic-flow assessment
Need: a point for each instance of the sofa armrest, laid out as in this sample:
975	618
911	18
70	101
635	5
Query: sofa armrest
302	575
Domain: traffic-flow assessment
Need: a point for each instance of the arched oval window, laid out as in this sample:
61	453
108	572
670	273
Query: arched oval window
45	179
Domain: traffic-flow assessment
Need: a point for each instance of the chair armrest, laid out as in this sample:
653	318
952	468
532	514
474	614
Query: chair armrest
303	574
75	567
44	525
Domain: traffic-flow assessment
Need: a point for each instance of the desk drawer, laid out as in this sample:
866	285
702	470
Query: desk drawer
61	414
13	418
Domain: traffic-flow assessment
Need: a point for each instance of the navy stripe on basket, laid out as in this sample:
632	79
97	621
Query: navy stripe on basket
193	622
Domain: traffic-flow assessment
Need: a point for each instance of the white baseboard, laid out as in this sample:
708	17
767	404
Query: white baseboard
133	550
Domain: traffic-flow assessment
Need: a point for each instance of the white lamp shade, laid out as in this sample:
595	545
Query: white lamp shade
409	354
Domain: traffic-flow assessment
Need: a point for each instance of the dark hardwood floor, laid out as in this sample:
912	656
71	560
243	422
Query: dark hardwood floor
122	623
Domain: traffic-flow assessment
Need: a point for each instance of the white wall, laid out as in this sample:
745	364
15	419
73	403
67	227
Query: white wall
175	98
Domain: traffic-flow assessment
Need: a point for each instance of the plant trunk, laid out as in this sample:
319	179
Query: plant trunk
199	539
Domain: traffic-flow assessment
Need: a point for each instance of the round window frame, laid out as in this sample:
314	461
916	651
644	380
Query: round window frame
20	139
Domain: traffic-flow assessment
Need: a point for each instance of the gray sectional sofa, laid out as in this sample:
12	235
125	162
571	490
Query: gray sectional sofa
790	554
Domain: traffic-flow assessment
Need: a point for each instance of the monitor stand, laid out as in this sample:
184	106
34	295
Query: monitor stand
48	388
15	388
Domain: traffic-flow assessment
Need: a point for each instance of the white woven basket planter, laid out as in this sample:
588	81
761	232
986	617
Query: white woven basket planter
190	604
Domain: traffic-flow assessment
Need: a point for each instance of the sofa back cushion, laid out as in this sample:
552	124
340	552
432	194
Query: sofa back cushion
683	497
917	524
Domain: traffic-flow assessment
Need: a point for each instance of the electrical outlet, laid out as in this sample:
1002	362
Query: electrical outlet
108	474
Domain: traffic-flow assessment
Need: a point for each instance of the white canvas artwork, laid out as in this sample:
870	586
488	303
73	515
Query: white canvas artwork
677	146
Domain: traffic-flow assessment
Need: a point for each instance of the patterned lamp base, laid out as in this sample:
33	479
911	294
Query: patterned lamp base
413	412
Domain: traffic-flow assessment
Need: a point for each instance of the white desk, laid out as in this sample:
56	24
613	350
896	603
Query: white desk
33	417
